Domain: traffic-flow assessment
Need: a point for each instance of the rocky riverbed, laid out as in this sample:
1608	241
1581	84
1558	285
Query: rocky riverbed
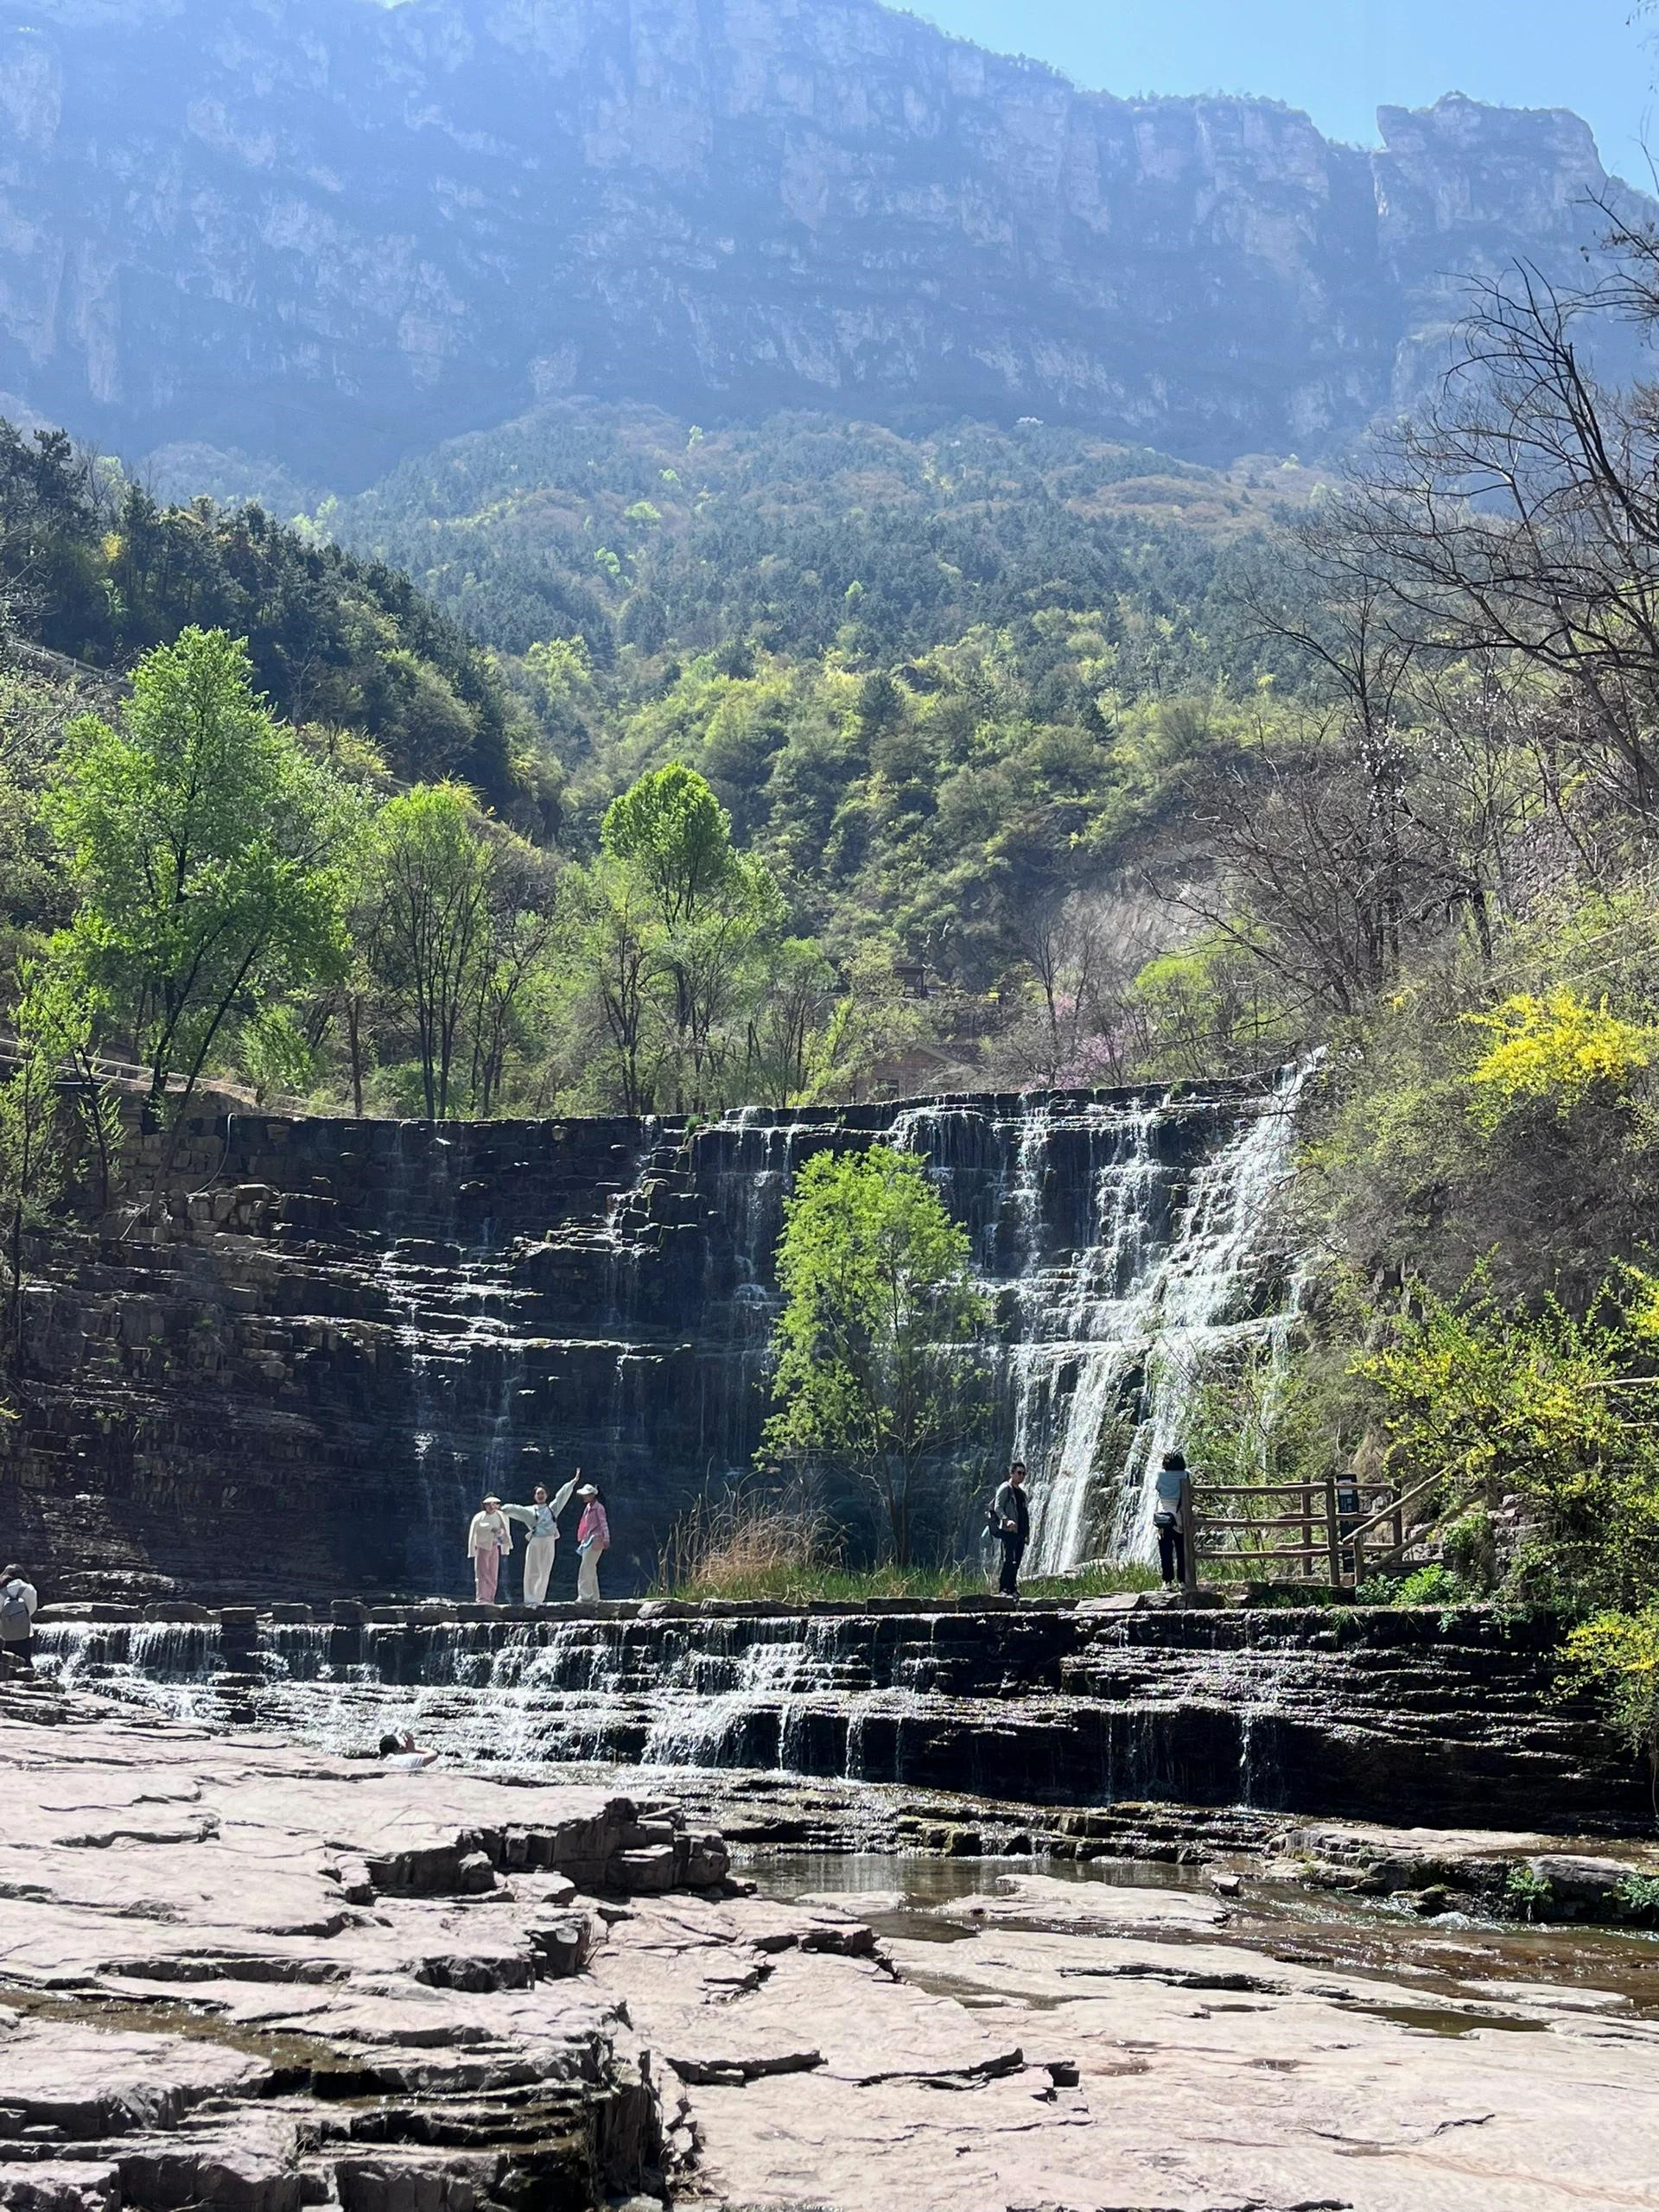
243	1975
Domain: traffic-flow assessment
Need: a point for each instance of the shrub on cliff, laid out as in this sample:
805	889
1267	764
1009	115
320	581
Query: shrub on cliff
1541	1414
1616	1655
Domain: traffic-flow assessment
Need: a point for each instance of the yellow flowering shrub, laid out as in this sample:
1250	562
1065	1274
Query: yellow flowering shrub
1558	1049
1617	1654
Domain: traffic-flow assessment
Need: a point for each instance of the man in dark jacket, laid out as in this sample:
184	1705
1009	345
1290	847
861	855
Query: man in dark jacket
1011	1518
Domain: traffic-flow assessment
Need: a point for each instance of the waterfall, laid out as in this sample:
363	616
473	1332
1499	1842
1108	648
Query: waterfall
444	1311
1127	1240
1186	1301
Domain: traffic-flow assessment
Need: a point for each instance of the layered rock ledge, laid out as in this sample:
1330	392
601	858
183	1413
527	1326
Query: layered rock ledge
1444	1718
238	1977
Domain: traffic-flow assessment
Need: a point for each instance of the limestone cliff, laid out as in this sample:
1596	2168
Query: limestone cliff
326	232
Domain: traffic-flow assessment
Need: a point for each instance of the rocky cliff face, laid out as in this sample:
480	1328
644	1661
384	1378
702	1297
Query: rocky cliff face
329	231
291	1368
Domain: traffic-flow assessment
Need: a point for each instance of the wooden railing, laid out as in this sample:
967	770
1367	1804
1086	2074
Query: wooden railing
1335	1523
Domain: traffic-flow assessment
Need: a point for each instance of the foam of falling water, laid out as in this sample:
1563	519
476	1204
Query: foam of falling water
1178	1308
1031	1165
1211	1273
166	1668
1124	1272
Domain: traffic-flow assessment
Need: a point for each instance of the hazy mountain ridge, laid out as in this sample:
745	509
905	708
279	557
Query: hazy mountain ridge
328	235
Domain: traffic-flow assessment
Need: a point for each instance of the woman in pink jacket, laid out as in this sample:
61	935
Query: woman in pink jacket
593	1538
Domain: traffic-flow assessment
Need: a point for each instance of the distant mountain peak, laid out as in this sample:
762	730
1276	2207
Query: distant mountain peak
326	236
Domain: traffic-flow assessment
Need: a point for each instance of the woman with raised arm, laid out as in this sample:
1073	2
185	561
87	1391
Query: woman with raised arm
541	1521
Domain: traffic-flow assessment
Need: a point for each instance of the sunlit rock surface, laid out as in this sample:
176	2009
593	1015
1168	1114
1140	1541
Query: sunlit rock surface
237	1975
329	234
240	1977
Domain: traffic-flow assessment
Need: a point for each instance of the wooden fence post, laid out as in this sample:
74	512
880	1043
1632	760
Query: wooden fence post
1190	1540
1332	1538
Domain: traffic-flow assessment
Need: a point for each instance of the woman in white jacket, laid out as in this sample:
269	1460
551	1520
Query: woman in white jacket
541	1521
488	1540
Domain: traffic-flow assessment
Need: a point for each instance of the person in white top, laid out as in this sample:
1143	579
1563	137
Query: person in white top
1172	1516
488	1540
401	1751
541	1521
18	1601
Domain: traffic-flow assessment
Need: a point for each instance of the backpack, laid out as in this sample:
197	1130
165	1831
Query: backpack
14	1613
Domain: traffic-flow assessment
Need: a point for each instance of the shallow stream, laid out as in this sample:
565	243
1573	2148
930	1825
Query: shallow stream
1471	1973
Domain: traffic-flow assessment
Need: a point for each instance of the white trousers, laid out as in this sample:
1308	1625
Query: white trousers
538	1565
587	1579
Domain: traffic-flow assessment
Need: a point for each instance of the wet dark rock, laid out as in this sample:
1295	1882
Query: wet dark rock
1433	1717
267	1396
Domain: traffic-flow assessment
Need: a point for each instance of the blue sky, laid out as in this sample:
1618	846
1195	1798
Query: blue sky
1341	59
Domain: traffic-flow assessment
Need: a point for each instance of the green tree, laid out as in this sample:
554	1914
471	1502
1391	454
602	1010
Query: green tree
677	836
712	909
513	979
612	944
51	1086
874	1370
205	848
34	1168
790	1027
434	873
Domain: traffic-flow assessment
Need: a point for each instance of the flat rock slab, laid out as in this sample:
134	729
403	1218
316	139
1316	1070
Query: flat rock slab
1059	2060
84	2080
238	1977
1048	1901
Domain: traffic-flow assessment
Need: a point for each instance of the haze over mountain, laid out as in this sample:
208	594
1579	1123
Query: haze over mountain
326	235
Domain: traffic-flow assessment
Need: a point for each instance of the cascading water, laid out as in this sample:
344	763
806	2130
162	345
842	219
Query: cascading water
1128	1240
1183	1305
1409	1718
438	1310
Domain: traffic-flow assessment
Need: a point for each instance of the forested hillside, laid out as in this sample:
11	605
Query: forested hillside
93	568
803	531
622	766
943	685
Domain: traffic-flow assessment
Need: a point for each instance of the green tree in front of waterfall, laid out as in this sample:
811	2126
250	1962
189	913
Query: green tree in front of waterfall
877	1374
208	851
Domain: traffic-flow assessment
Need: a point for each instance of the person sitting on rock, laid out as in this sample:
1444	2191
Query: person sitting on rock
542	1520
18	1601
593	1540
488	1540
1171	1508
401	1751
1010	1519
